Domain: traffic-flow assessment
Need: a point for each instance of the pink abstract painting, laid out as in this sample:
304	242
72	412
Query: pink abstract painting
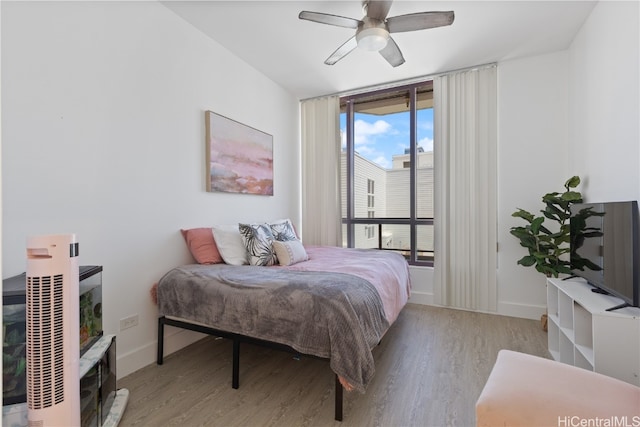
239	157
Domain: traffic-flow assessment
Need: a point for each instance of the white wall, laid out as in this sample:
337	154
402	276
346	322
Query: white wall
532	161
605	96
103	136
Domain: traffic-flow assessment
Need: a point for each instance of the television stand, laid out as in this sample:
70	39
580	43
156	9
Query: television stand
619	306
616	307
583	330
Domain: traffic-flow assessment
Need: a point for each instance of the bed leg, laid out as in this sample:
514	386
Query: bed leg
160	340
338	403
235	376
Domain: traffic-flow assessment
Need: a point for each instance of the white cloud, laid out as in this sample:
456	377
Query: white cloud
366	150
375	128
366	136
365	132
383	161
426	143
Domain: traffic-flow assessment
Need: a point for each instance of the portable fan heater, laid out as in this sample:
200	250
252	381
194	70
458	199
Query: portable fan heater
53	337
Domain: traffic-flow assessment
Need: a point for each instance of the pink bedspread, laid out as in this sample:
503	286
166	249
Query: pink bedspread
387	271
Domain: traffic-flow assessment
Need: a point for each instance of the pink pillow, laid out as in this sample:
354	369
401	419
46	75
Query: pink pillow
201	245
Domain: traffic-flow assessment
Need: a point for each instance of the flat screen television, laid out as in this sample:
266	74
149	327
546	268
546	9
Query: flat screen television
604	248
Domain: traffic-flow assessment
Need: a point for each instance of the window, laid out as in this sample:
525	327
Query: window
387	171
370	230
370	198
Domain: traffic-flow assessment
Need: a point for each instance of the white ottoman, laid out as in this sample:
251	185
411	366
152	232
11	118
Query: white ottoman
525	390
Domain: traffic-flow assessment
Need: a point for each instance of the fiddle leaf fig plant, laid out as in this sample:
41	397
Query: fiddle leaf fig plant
548	248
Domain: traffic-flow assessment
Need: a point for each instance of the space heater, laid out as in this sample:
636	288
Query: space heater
53	337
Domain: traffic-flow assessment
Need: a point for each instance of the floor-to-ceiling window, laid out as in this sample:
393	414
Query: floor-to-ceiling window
387	171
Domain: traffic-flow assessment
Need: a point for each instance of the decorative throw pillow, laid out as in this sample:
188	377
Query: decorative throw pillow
290	252
258	242
230	245
283	230
201	245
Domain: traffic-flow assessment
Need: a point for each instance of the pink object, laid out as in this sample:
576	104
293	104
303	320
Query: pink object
526	390
153	293
389	274
201	245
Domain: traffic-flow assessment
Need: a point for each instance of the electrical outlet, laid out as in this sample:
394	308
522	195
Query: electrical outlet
129	322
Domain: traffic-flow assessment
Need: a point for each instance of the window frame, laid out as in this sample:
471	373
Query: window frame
350	221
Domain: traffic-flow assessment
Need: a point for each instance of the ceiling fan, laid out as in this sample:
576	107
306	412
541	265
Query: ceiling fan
372	32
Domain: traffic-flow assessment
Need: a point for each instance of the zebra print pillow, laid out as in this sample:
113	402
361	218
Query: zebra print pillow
258	240
283	230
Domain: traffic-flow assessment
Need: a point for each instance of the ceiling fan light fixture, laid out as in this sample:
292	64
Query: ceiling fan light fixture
373	39
372	31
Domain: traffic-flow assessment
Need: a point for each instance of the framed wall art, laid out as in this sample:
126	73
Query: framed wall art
239	157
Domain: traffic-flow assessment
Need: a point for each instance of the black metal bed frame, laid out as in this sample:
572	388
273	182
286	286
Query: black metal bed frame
237	339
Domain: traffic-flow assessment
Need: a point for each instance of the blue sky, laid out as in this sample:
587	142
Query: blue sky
378	138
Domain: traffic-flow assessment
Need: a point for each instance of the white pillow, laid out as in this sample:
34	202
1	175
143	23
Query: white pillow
230	245
290	252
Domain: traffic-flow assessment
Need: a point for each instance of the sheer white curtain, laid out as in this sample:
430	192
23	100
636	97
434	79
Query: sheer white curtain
465	118
321	211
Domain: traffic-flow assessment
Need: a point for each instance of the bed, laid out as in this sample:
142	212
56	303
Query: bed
337	305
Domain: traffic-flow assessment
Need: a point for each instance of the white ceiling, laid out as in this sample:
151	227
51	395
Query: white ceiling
269	36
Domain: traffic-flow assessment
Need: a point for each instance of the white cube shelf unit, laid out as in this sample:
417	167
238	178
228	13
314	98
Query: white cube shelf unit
583	333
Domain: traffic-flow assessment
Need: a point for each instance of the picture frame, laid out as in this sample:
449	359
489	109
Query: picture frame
239	157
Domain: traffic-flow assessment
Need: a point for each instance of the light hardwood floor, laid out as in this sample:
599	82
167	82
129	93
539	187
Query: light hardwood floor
430	369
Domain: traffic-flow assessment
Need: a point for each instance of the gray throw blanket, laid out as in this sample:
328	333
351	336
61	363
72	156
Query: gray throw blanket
330	315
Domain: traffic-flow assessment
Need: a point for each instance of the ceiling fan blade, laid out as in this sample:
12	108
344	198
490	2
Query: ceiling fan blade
377	9
342	51
325	18
419	21
392	54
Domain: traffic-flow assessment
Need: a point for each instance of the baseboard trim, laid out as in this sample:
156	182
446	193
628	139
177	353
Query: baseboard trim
525	311
422	298
174	340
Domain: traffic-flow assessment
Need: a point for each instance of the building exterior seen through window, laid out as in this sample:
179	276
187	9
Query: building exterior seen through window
387	171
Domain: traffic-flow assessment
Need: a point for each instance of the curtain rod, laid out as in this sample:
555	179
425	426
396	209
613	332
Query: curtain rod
401	82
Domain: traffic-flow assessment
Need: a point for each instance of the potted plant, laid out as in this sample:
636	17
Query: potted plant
548	248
